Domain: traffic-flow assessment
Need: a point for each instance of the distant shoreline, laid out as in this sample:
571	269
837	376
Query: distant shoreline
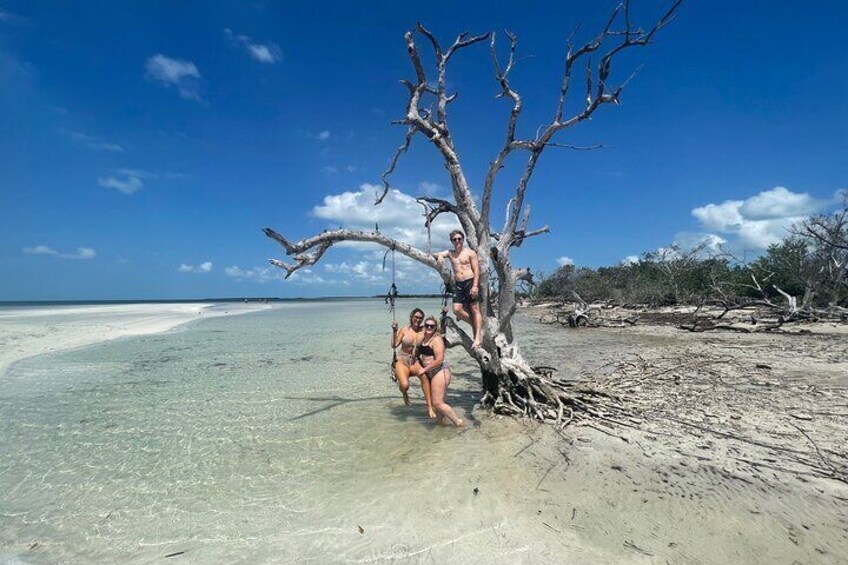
241	299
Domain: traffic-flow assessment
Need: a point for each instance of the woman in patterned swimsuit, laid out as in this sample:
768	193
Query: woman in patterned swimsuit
430	361
408	337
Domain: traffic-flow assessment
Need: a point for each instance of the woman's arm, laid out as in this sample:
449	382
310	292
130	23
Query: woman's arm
397	335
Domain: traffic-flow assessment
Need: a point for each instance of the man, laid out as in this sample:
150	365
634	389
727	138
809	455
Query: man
466	274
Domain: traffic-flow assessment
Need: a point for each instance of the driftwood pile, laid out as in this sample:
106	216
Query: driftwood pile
714	409
743	318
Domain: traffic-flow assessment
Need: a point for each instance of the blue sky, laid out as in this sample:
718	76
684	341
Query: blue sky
143	145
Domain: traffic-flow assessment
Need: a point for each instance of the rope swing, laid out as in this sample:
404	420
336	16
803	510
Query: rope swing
391	296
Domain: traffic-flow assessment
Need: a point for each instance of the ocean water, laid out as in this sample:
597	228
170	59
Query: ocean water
275	436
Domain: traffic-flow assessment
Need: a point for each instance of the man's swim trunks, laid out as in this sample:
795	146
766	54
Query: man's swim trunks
462	292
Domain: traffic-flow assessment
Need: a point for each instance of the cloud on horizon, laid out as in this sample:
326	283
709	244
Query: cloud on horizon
81	252
563	261
175	73
761	220
262	275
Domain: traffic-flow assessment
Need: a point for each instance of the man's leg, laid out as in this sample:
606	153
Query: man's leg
461	313
477	323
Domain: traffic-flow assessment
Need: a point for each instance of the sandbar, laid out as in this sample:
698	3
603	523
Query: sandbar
35	330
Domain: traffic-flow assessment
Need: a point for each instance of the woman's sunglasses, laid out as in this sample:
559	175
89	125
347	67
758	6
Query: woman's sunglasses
430	326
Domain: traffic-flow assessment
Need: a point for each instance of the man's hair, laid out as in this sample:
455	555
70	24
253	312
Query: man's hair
456	232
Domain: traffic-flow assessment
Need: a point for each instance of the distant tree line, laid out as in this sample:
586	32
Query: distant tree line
805	271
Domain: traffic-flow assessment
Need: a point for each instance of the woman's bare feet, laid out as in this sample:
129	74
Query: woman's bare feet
406	399
431	412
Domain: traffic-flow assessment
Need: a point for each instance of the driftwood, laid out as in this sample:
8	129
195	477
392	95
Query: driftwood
696	395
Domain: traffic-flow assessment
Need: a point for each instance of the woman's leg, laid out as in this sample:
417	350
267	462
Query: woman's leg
438	386
428	396
402	374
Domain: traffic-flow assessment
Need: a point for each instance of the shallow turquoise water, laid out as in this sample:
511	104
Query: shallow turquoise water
267	437
226	430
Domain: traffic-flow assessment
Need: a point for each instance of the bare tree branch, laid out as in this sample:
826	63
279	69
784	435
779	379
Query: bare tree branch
385	178
323	241
502	77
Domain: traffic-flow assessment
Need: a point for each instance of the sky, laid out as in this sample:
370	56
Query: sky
144	145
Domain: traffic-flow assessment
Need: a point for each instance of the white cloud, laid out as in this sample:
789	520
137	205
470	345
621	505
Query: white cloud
202	268
630	260
329	170
40	250
761	220
175	73
399	216
563	261
127	185
265	274
257	274
268	53
710	242
779	203
81	252
323	135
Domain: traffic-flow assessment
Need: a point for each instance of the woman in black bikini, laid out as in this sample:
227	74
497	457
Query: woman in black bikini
408	337
430	361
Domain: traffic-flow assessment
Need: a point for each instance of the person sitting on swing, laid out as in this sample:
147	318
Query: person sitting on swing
408	338
466	274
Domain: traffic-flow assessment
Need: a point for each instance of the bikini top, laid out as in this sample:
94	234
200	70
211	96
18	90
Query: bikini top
407	341
426	350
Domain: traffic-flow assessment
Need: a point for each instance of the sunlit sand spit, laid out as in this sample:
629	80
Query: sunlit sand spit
33	330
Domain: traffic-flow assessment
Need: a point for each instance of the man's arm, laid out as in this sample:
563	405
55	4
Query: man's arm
440	256
475	268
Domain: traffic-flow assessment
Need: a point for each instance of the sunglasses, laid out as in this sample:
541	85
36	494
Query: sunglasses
430	326
418	317
456	239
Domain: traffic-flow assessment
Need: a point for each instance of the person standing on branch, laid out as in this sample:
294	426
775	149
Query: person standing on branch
466	274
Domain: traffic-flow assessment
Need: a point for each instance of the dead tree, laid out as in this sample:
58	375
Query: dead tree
510	383
829	234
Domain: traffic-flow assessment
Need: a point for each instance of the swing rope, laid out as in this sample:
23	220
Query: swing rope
446	296
391	296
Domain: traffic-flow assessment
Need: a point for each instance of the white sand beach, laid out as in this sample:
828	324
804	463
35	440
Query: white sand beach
34	330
